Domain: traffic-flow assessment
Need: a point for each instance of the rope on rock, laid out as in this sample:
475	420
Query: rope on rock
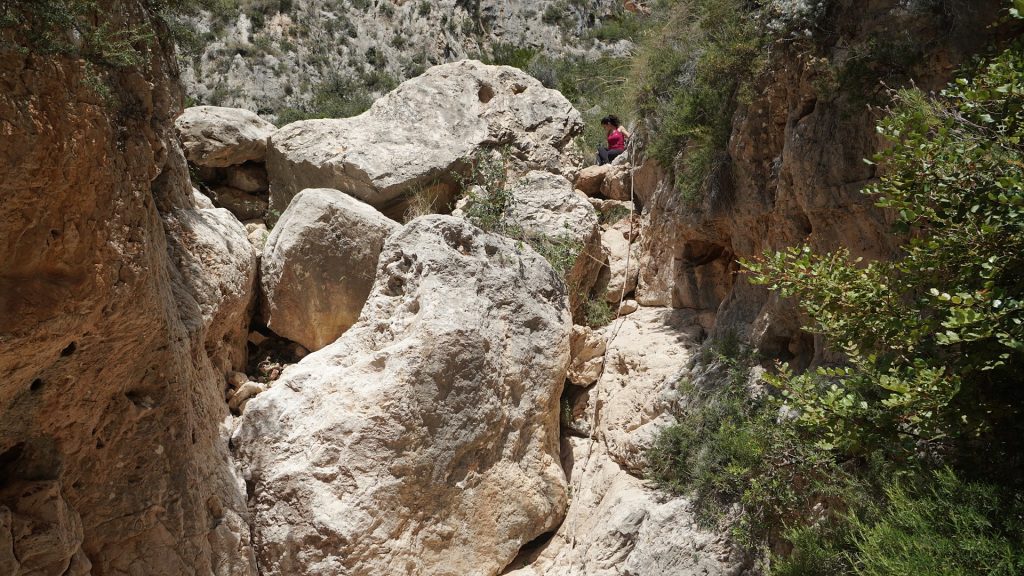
619	319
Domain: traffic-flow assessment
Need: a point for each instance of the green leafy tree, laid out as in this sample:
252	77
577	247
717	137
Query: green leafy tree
935	337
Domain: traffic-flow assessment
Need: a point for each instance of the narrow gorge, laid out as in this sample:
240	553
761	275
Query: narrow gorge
335	287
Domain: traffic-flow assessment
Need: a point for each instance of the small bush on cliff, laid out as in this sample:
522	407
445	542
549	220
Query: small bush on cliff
688	80
336	97
727	447
74	28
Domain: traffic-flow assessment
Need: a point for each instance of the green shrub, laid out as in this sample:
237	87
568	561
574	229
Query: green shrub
727	447
76	28
934	341
942	526
336	97
508	54
598	313
689	78
625	26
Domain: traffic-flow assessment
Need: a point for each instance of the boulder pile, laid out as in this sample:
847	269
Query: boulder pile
427	133
227	150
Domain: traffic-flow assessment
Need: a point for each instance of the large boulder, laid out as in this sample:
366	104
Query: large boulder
243	205
425	439
217	137
547	208
318	265
423	132
590	179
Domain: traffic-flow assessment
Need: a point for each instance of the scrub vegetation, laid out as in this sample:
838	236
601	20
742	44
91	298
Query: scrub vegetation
907	457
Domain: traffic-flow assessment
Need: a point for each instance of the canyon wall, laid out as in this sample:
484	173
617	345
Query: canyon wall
121	306
796	167
270	55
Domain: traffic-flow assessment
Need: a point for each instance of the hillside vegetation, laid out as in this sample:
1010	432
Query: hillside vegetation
904	458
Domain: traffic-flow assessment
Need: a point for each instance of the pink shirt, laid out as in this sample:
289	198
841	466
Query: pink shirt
616	141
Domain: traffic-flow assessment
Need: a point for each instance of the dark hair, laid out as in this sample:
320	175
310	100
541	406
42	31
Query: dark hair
610	119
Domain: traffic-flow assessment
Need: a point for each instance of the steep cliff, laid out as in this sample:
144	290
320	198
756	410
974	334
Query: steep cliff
794	166
121	306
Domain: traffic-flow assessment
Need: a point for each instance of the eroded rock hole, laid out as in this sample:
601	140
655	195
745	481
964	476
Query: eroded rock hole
69	350
529	552
9	457
486	93
36	385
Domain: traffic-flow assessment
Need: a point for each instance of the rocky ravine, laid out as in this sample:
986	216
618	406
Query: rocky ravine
451	419
423	439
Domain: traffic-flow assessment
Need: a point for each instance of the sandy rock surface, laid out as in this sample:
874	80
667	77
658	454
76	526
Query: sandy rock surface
619	276
218	266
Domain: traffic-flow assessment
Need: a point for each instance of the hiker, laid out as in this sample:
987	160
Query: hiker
616	140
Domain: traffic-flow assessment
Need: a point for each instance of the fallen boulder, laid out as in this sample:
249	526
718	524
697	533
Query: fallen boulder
590	179
423	133
318	265
425	439
217	265
217	137
243	205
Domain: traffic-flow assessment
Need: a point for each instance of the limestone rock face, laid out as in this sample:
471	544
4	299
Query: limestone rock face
616	525
318	265
425	439
545	204
619	277
217	137
587	351
643	366
112	457
611	181
401	35
426	129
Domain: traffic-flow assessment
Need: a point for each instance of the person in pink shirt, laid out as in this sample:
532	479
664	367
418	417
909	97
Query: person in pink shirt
616	140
